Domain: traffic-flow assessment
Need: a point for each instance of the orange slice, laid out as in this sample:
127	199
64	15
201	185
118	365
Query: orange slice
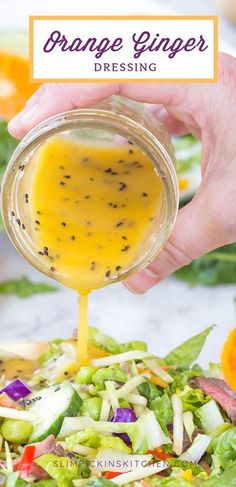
228	359
15	88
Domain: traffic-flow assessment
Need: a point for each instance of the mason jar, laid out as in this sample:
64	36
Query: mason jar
113	121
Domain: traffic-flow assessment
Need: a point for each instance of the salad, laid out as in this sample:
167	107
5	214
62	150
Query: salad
129	418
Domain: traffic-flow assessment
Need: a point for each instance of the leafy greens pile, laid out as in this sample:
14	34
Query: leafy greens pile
126	418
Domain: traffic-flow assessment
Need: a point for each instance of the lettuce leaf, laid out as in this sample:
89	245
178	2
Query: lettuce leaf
146	433
224	448
217	267
110	345
88	437
182	377
192	399
184	355
61	469
23	288
163	411
226	479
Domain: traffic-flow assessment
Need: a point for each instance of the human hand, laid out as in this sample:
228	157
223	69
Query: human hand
205	110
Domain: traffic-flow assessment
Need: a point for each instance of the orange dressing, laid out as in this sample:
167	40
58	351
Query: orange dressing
93	208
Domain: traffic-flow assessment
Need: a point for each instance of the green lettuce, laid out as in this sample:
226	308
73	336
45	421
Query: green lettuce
149	391
217	267
192	399
114	443
61	469
146	433
110	345
93	439
114	372
88	437
226	479
100	483
23	287
182	377
210	416
13	480
184	355
224	448
163	410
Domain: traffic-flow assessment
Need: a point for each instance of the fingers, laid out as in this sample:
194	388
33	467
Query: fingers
196	232
51	99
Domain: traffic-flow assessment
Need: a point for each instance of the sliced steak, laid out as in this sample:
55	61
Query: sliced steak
220	392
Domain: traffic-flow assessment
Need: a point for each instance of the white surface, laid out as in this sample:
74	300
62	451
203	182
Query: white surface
163	317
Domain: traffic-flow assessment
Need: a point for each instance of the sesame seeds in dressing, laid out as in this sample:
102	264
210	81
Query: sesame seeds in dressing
92	208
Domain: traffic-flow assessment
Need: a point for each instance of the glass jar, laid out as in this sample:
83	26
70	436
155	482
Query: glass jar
113	121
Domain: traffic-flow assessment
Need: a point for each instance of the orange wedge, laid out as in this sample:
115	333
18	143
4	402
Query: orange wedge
15	88
228	359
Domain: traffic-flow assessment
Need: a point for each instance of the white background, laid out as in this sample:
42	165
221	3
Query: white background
165	316
80	65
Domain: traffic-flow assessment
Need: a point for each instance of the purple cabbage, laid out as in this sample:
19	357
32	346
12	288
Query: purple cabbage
124	415
16	390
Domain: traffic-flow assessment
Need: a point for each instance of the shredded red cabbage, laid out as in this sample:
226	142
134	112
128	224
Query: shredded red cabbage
16	390
124	415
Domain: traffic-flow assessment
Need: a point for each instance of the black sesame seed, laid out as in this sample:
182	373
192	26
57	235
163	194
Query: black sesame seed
119	224
93	266
131	143
72	237
91	179
118	268
89	234
63	224
62	183
108	273
18	221
53	269
61	167
37	222
127	247
12	213
66	372
109	169
145	194
131	151
67	176
22	167
87	197
26	198
39	213
124	237
40	253
122	186
23	226
85	159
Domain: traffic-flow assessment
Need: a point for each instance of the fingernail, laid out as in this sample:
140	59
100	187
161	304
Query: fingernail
141	282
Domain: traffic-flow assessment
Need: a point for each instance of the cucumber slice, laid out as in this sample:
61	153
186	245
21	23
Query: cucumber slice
51	405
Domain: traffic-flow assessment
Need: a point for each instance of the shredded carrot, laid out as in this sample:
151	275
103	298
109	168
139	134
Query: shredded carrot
158	382
144	483
6	402
228	359
153	378
159	453
168	367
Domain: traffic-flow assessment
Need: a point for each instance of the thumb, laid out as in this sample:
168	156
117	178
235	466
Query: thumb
198	230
